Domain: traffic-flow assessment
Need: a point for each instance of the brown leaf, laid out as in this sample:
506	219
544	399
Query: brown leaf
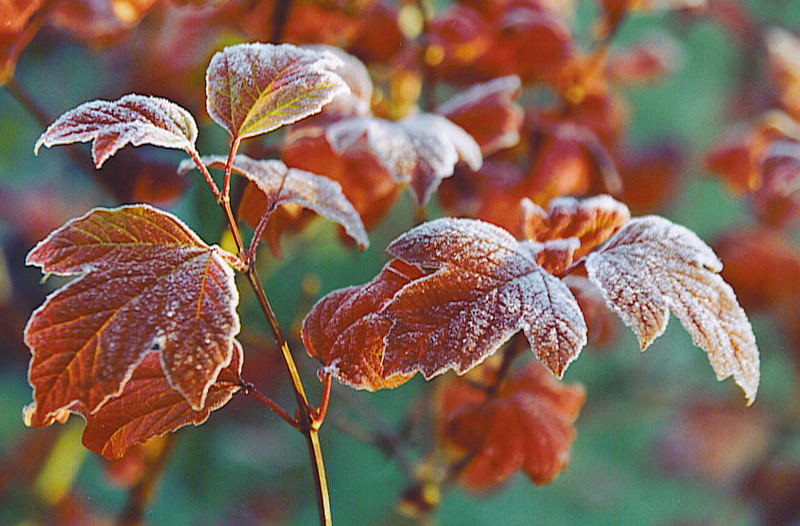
486	288
526	426
600	322
646	61
591	221
651	266
420	150
148	283
134	119
149	407
282	185
255	88
345	330
488	113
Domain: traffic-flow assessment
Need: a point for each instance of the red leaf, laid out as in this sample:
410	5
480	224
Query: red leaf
282	185
488	113
486	288
148	284
134	119
526	425
255	88
420	150
149	407
345	330
646	61
651	266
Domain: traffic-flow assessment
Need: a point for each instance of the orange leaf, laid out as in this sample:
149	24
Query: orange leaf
345	330
651	266
134	119
486	287
148	283
526	426
255	88
149	407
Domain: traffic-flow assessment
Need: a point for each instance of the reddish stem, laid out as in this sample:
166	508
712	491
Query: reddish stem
250	390
319	414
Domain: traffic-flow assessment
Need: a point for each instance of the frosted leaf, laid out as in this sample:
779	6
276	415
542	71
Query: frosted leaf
420	150
137	265
134	119
355	75
148	407
345	330
488	113
486	288
651	266
282	185
255	88
592	221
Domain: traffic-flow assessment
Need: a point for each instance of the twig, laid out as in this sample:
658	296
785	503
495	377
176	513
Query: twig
248	389
279	18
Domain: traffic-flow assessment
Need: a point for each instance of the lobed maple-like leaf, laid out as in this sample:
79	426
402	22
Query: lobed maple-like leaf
148	283
149	407
526	426
132	119
488	113
420	150
255	88
486	287
345	330
283	185
652	266
591	221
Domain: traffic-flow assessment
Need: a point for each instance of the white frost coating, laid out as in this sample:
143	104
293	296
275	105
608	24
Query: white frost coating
352	71
283	185
134	119
255	88
421	149
509	85
653	265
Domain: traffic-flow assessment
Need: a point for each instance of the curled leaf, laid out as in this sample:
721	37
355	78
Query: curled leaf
420	150
345	330
255	88
148	284
651	266
149	407
134	119
486	288
283	185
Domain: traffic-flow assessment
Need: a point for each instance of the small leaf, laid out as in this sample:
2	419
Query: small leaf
345	330
591	221
134	119
526	426
149	407
652	265
486	288
420	150
282	185
255	88
148	284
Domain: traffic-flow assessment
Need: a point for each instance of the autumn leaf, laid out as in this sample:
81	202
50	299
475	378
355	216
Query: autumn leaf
283	185
149	407
488	113
591	221
134	119
526	426
420	150
255	88
148	283
345	330
651	266
486	287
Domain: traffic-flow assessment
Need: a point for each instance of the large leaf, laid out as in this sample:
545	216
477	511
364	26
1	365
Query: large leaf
134	119
420	150
255	88
282	185
148	407
345	330
651	266
148	284
486	288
